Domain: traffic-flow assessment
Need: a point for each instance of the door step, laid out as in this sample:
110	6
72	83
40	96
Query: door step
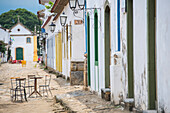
105	93
129	104
150	111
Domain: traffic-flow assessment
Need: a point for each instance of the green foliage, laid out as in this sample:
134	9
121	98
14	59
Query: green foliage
50	5
2	47
27	18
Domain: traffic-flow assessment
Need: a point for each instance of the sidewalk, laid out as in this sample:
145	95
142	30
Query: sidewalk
77	100
69	99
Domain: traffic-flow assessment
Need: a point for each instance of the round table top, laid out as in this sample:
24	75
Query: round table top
20	78
36	77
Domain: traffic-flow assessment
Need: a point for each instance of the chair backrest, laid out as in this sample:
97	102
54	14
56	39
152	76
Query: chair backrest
30	76
20	82
13	82
47	79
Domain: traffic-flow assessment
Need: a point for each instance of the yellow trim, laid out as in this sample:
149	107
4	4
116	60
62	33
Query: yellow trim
35	58
16	52
56	52
58	41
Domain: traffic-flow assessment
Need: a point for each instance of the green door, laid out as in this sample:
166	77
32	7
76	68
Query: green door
151	15
19	53
130	48
88	49
107	47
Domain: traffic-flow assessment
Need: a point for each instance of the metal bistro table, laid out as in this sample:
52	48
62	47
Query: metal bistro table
35	86
20	86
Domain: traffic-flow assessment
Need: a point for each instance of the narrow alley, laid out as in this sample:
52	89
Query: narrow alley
68	98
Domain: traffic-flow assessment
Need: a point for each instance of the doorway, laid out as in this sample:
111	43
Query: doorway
151	14
130	48
19	53
96	50
107	47
88	49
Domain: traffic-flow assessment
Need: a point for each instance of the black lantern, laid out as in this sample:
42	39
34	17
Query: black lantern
63	19
72	4
52	27
81	4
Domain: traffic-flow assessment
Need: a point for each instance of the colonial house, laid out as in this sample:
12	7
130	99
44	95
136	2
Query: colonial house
128	51
24	44
5	37
65	45
70	41
127	46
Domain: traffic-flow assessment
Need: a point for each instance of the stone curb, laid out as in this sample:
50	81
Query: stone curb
62	103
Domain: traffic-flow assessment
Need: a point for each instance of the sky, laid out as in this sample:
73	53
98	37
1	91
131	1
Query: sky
30	5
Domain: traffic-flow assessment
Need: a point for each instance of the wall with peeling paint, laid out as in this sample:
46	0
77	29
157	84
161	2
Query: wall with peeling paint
123	36
97	72
118	76
140	54
163	54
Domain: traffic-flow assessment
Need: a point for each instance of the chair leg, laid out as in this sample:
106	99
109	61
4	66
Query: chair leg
15	94
25	95
21	94
43	91
46	90
50	91
11	94
28	90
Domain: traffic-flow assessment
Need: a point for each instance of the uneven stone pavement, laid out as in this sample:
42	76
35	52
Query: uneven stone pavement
68	98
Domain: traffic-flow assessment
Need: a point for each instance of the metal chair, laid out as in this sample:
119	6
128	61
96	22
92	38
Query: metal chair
30	83
13	86
46	86
20	89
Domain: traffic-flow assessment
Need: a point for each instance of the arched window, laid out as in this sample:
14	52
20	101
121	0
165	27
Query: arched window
28	40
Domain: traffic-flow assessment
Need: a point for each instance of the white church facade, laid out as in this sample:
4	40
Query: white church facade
23	42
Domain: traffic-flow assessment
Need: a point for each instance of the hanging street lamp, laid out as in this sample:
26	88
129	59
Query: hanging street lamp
81	4
52	27
63	19
72	4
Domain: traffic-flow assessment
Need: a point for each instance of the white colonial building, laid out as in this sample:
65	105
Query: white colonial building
5	37
22	47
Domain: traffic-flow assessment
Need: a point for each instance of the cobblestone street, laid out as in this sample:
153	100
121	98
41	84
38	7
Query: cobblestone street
65	98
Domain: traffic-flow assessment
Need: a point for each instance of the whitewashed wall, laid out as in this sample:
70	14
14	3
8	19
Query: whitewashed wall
14	31
78	48
163	54
140	54
5	37
28	49
101	48
51	52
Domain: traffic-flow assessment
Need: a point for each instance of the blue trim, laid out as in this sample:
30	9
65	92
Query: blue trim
85	27
118	23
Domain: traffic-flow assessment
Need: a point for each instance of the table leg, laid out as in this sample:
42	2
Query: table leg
35	89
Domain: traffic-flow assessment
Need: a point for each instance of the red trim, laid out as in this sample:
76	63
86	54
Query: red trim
49	18
55	5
